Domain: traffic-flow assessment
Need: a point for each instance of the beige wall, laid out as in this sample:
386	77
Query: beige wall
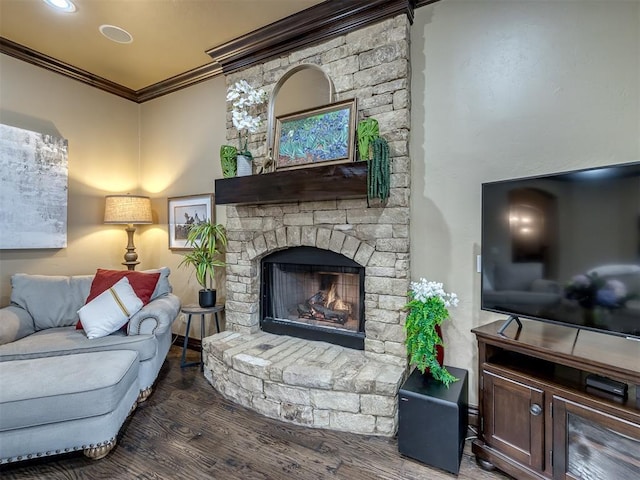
181	135
503	89
102	131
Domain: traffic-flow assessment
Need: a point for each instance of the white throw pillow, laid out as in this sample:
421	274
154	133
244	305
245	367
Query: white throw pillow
110	310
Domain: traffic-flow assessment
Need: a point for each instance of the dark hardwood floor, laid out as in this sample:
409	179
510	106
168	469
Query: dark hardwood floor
186	430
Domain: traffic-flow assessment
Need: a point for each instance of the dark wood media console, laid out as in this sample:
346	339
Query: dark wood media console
539	420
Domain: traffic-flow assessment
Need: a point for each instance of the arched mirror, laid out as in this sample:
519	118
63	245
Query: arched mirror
301	87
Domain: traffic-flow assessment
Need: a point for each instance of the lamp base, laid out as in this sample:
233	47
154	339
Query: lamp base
130	265
131	257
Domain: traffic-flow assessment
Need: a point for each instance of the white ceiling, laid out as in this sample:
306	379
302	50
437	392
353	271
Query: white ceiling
170	37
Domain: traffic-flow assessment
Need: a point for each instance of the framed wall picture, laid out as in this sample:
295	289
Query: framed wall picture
184	212
316	136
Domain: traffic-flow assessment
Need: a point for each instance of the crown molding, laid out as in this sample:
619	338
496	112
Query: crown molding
172	84
183	80
319	23
49	63
316	24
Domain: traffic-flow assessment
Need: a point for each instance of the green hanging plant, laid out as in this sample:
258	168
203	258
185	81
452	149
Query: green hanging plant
228	154
379	173
427	308
375	150
367	131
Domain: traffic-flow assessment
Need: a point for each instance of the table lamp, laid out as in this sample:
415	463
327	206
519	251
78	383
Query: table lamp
130	210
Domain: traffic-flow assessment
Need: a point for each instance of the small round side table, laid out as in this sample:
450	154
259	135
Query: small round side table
197	310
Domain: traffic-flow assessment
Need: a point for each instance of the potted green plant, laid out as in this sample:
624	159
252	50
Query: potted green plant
204	239
229	161
426	310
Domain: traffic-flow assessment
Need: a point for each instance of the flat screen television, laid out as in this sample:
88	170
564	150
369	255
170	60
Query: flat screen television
565	248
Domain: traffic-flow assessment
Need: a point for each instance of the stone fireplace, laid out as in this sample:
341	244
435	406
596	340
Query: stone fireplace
320	341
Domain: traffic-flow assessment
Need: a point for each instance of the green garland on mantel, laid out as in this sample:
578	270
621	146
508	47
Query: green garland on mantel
375	150
379	174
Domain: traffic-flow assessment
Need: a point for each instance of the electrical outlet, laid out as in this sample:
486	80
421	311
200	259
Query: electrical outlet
183	318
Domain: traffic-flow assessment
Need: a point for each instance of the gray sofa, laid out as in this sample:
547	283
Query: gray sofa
61	391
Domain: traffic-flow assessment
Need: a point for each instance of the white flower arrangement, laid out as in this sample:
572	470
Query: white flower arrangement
423	290
244	97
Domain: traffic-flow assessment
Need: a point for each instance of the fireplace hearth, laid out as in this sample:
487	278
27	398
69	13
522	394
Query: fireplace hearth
314	294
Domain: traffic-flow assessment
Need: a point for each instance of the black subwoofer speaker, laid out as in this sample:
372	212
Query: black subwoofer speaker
433	419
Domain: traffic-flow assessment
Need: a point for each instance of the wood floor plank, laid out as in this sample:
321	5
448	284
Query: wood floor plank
186	430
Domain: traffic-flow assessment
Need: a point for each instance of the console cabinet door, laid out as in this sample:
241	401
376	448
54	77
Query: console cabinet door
514	419
590	444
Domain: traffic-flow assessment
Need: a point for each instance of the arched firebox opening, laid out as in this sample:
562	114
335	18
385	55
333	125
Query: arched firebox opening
315	294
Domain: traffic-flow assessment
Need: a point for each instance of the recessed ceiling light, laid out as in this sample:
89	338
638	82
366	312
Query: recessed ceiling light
116	34
61	5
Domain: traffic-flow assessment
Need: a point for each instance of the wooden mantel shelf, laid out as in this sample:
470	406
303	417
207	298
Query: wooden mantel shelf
326	182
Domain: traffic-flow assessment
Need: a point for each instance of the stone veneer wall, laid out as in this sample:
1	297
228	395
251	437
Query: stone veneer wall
371	65
315	383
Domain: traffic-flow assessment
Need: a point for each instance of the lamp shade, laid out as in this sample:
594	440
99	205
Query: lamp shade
129	209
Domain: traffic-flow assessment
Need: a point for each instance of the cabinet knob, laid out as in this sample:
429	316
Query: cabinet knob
535	410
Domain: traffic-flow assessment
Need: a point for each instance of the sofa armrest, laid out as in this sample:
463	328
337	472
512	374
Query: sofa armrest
15	323
156	316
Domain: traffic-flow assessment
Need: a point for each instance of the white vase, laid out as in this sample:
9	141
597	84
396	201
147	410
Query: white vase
245	165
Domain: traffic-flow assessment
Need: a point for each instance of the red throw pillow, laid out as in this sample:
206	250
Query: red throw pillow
142	283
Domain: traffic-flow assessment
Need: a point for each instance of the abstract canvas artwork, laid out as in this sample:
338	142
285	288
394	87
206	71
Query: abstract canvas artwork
33	189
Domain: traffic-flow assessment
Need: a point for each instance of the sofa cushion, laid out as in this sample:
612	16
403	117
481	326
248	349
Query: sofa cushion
142	283
163	286
52	301
86	385
67	340
110	310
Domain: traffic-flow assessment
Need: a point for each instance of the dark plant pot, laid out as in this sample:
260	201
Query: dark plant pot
207	298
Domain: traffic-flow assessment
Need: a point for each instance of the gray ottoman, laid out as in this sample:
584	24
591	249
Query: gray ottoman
60	404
